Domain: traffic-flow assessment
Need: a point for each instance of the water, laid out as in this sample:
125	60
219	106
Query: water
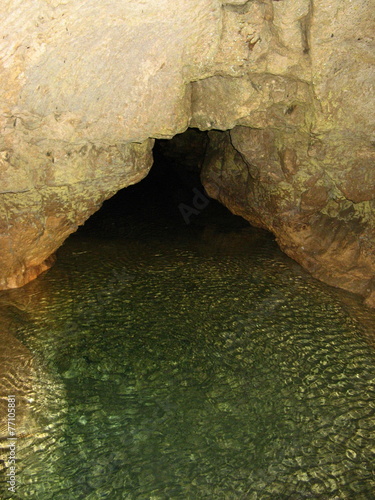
159	360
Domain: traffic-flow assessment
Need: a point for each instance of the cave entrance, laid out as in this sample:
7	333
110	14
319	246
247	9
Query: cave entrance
175	359
171	196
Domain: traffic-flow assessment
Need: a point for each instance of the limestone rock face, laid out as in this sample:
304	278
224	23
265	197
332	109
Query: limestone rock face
46	198
299	159
112	71
257	174
284	86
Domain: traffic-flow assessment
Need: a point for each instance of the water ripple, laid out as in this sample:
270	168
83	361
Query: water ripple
199	366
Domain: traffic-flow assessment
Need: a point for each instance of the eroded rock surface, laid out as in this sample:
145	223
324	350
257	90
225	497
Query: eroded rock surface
49	196
86	86
255	173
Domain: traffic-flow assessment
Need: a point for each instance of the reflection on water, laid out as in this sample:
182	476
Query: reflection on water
188	362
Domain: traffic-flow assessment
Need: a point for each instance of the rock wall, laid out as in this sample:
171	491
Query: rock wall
286	88
255	172
299	159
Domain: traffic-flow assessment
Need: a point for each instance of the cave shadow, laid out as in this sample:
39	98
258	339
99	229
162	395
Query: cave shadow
170	197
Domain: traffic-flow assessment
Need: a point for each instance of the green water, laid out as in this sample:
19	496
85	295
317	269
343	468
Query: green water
174	361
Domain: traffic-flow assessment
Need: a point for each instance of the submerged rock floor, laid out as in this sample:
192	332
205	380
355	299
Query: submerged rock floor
175	361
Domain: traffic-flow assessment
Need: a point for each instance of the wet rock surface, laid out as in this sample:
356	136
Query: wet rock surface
258	175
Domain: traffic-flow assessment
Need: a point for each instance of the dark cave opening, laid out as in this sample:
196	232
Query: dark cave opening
171	195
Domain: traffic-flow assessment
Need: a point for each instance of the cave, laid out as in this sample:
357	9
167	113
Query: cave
287	112
187	249
174	351
171	195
